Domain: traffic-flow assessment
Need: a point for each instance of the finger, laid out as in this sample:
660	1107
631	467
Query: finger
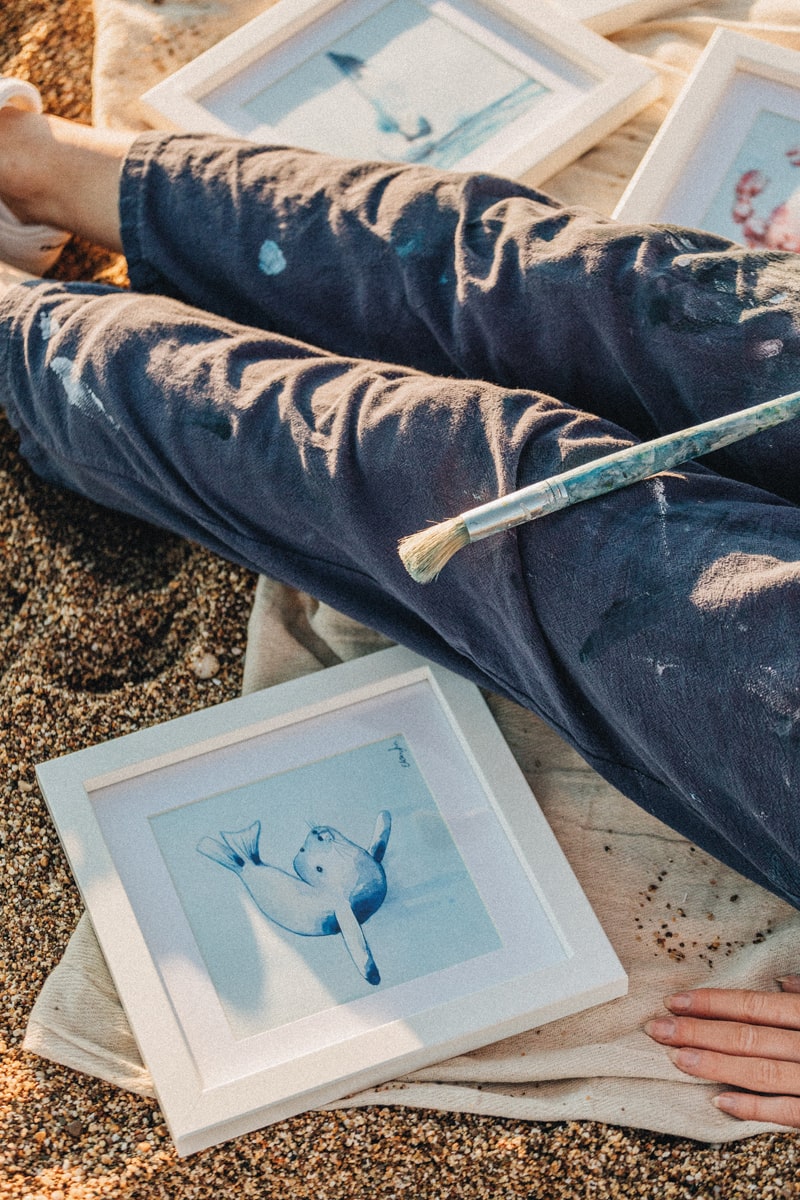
780	1009
789	983
755	1074
778	1110
727	1037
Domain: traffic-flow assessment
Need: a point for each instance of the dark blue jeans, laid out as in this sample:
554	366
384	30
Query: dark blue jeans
318	357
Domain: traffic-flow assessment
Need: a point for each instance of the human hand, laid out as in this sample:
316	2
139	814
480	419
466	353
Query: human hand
748	1039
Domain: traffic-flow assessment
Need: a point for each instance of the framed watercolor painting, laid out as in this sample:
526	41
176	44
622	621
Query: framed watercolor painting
465	84
727	158
608	16
322	886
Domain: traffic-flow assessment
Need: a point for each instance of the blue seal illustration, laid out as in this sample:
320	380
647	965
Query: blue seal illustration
336	885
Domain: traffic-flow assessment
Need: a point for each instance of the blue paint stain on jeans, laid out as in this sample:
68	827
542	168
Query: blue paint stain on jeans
410	245
271	259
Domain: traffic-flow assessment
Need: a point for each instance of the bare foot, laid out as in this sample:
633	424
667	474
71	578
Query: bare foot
61	173
9	276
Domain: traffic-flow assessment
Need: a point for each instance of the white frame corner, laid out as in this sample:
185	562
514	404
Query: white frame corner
699	140
109	802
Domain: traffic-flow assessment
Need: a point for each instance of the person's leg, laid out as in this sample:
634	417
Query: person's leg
656	628
654	328
471	275
61	173
11	276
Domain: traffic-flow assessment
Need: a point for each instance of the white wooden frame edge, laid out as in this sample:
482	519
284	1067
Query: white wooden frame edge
197	1118
610	16
727	53
626	84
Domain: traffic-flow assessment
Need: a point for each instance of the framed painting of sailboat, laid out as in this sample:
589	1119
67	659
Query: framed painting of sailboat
455	84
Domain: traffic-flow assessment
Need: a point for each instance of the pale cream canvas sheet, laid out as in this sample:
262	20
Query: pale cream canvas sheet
676	918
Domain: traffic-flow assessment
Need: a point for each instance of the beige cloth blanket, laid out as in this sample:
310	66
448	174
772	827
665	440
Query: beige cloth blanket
676	918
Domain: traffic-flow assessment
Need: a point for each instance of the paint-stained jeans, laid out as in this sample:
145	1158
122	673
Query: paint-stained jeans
318	357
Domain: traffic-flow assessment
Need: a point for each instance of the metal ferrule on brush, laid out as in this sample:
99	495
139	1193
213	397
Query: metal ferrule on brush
505	513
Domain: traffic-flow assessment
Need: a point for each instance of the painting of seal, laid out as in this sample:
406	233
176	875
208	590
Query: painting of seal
334	887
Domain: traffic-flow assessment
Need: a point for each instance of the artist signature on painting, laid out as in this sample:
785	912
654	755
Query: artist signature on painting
401	754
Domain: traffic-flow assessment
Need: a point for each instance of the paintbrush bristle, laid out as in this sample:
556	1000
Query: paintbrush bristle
425	553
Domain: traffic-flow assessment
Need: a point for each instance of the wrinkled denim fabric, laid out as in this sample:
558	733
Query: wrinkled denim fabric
317	357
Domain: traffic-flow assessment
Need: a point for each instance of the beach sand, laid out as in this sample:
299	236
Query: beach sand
102	622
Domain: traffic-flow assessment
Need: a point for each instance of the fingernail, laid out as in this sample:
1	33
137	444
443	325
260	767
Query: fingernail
680	1002
789	981
727	1103
685	1057
662	1029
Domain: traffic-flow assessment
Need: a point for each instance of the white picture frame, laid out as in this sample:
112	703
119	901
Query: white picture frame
498	85
483	932
609	16
722	161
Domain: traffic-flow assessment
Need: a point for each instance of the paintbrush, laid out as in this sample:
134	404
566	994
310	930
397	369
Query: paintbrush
425	553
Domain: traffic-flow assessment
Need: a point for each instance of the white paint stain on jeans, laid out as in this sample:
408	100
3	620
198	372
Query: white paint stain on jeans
48	325
661	504
78	394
